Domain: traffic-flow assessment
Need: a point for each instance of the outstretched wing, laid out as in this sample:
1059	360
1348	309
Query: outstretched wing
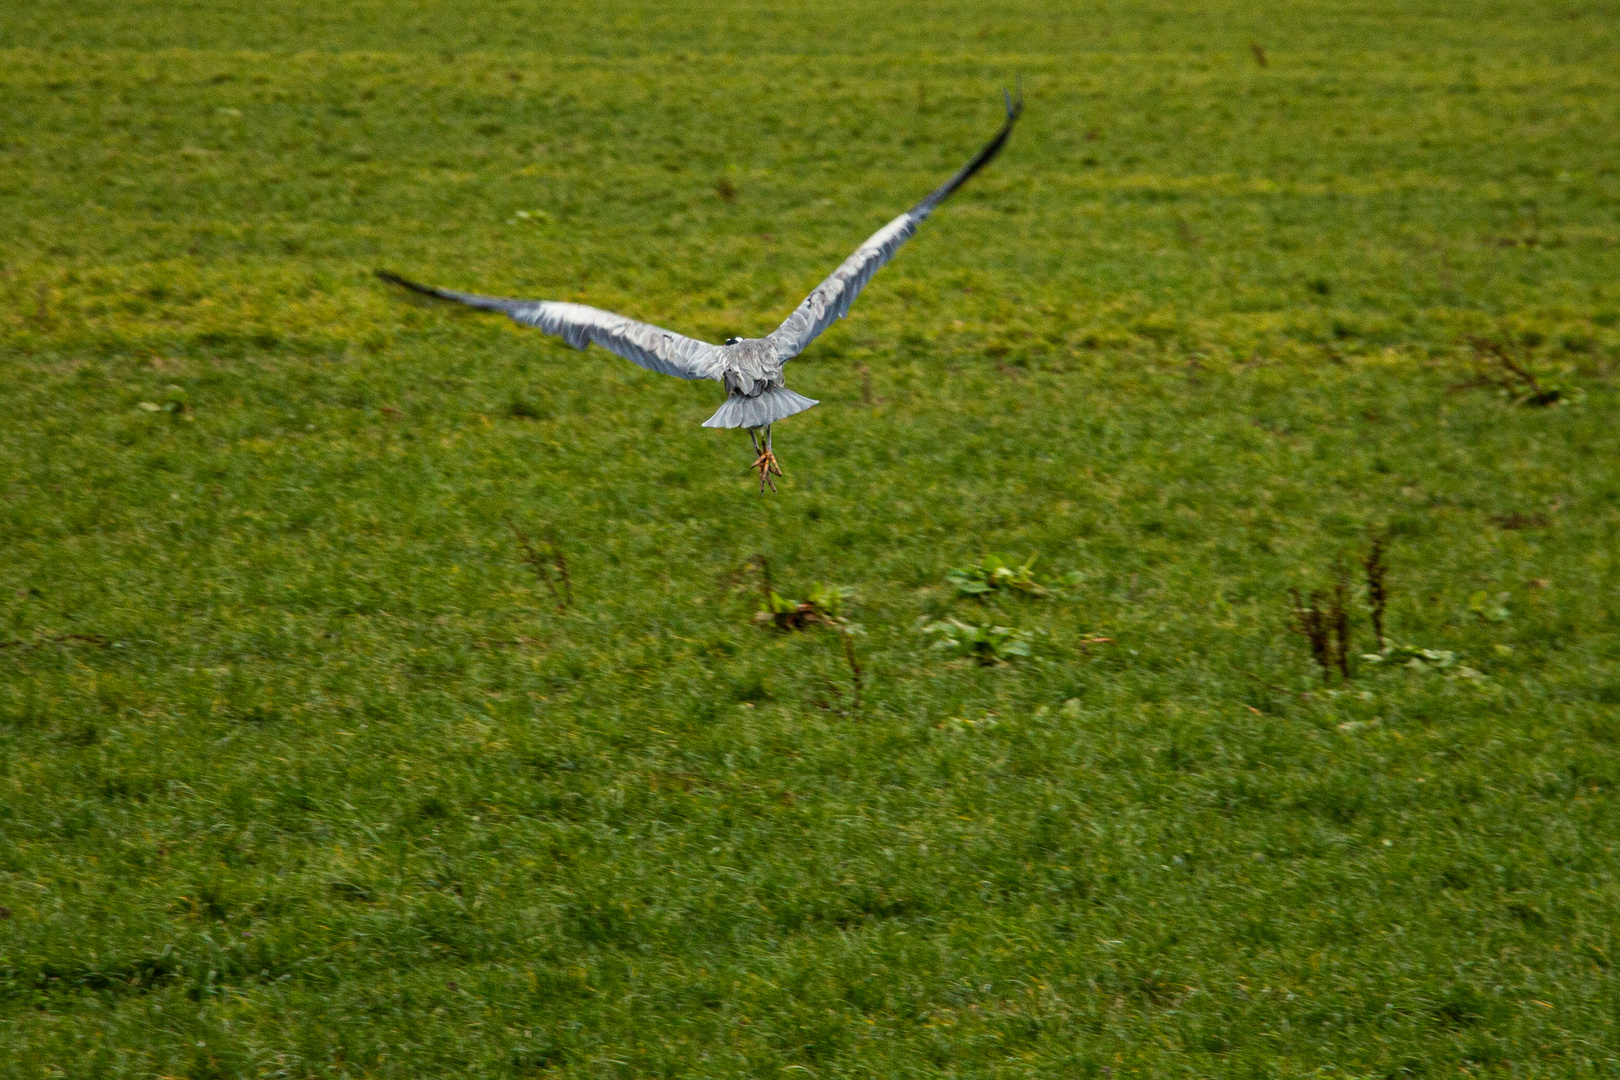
652	347
831	299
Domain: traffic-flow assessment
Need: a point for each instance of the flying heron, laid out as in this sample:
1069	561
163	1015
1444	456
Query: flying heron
749	368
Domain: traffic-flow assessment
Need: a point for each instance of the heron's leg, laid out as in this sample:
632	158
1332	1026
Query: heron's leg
775	468
769	458
759	459
762	456
764	461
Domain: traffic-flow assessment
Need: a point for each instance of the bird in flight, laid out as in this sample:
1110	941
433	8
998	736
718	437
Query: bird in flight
749	368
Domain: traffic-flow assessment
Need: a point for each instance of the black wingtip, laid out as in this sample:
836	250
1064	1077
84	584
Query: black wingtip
1015	105
394	279
1015	108
405	283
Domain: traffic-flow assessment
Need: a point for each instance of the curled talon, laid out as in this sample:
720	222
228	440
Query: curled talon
766	461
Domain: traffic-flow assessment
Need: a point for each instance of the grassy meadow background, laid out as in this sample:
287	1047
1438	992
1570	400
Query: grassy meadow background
303	774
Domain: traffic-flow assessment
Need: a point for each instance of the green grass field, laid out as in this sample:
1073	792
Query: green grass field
303	773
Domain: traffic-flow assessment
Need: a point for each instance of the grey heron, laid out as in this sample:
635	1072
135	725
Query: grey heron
750	368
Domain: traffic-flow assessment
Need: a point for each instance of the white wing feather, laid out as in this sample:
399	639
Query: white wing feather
651	347
831	299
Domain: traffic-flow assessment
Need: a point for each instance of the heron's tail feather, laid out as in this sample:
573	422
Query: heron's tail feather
752	412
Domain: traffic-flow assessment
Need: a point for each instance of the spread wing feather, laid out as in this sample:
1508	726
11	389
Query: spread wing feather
831	299
651	347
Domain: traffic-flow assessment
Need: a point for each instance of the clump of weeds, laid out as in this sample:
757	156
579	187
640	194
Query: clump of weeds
1323	619
823	606
1488	608
995	574
1496	367
982	643
1415	657
174	404
1377	587
549	564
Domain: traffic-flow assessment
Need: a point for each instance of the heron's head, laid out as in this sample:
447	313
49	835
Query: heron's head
732	340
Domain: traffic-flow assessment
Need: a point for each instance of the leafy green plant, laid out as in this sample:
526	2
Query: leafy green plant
986	644
996	573
1416	658
822	606
1488	608
174	404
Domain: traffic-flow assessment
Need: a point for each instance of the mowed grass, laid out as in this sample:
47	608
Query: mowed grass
302	772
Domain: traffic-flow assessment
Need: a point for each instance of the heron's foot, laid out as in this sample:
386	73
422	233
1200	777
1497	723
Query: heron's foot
767	466
766	462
